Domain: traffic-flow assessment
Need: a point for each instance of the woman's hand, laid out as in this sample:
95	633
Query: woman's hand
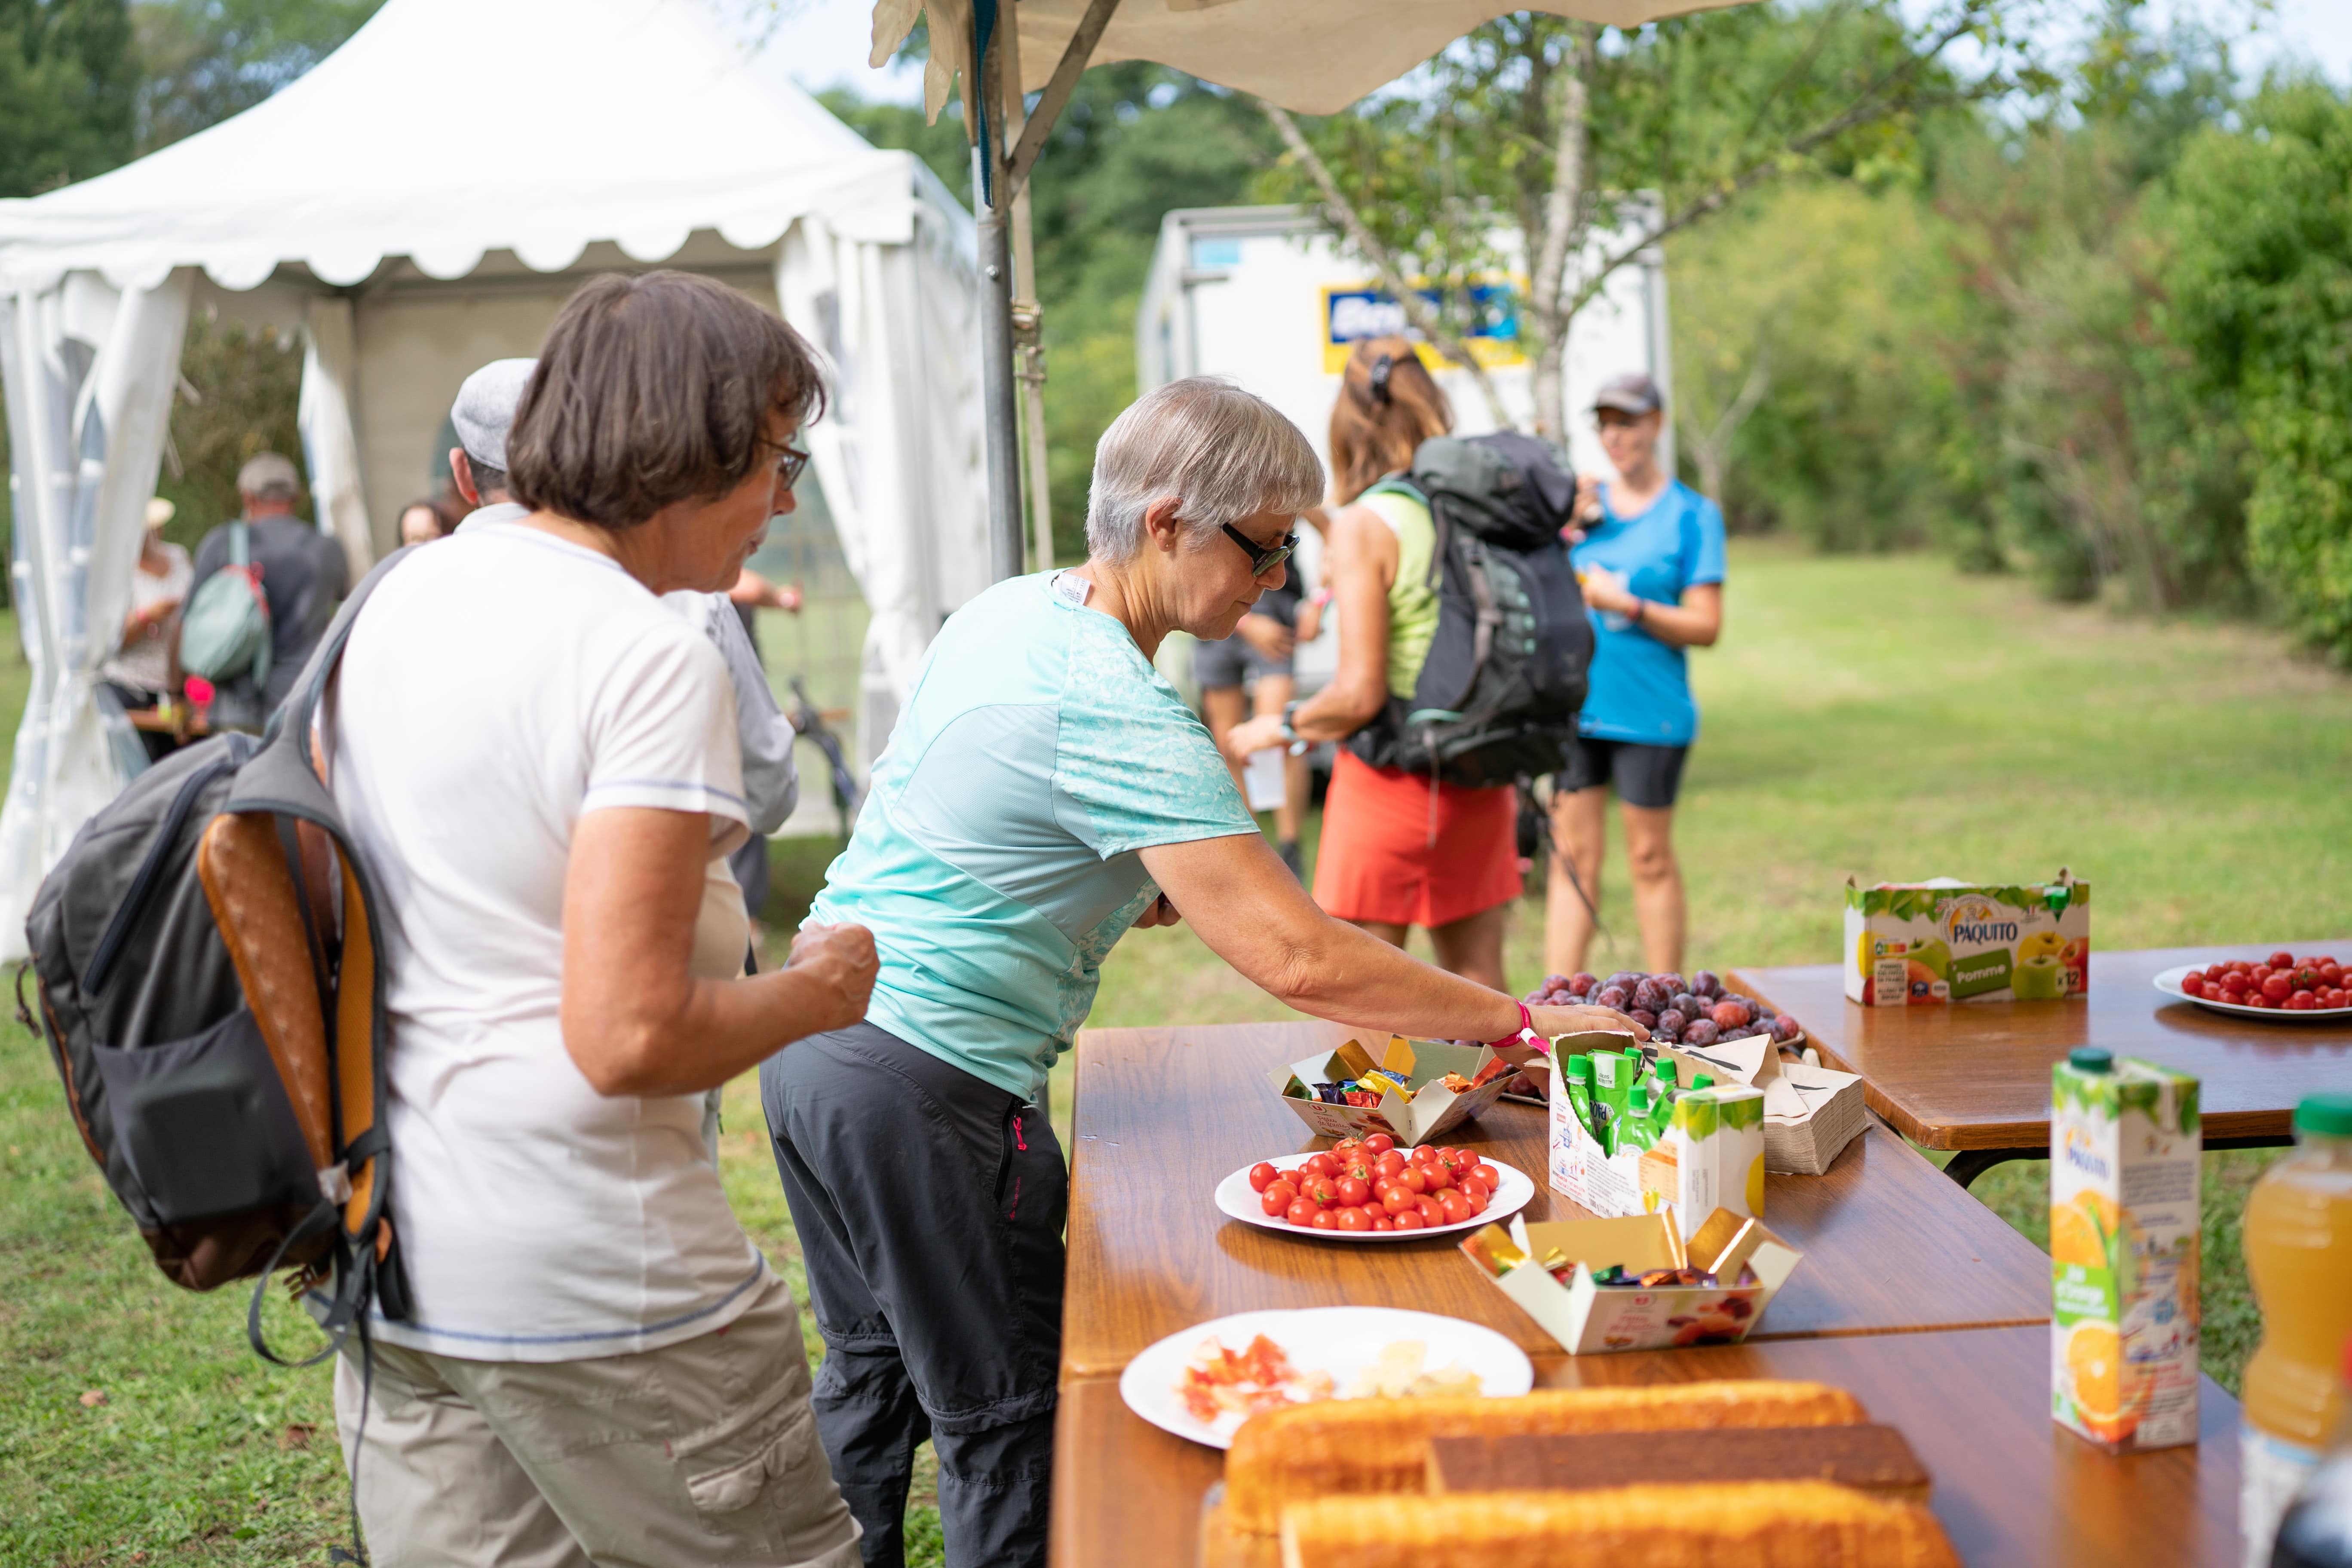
1160	913
1553	1022
1269	636
839	963
1585	511
1251	736
1604	590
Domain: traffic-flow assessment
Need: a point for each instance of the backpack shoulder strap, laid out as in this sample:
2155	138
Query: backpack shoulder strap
1394	485
240	543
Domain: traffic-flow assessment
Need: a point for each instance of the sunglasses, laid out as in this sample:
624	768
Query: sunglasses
1264	558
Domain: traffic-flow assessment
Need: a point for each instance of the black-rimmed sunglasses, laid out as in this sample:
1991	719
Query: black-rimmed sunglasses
1264	558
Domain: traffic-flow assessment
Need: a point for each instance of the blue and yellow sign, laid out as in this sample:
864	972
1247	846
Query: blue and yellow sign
1352	312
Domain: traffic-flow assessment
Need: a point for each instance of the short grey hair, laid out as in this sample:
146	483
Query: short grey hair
1225	453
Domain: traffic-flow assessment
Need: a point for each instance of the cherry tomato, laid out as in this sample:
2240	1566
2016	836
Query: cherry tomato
1489	1177
1421	1155
1410	1220
1358	1168
1431	1212
2282	959
1472	1188
1477	1203
1277	1202
1262	1176
1320	1191
1353	1191
2235	984
2239	966
1353	1219
1319	1165
1383	1222
2278	986
1438	1177
2331	973
1414	1178
2302	1002
2257	999
2215	971
1379	1143
1324	1219
1454	1208
1285	1186
1388	1165
1302	1211
1399	1200
2192	985
1345	1147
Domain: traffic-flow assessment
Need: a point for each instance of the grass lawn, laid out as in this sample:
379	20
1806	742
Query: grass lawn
1874	717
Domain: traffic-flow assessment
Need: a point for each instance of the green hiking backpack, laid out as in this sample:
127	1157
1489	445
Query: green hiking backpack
225	631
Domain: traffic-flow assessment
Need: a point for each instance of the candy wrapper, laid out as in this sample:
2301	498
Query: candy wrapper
1636	1283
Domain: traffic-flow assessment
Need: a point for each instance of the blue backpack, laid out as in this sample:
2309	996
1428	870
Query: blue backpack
225	631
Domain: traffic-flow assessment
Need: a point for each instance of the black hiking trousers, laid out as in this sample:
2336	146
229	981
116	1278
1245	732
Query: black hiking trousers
930	1206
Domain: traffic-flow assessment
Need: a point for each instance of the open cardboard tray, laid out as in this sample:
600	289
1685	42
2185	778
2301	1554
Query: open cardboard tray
1584	1317
1431	1111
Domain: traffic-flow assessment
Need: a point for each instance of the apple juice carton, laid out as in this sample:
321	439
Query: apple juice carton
2124	1158
1711	1158
1944	940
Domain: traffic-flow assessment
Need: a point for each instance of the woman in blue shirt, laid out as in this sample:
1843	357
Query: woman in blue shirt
1652	566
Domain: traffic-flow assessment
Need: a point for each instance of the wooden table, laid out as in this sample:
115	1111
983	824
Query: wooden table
2009	1487
1975	1075
1162	1115
1938	1321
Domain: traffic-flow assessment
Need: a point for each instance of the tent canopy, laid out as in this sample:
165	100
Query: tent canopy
424	201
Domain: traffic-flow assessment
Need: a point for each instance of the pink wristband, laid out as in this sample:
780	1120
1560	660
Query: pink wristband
1526	1026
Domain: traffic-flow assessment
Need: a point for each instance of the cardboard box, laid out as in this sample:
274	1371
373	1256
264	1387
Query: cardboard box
1585	1317
1926	943
2125	1157
1811	1113
1429	1111
1709	1157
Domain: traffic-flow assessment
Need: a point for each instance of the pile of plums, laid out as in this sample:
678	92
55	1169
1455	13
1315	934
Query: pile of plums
1698	1012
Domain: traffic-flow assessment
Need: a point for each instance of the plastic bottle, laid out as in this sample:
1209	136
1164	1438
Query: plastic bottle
2298	1244
2317	1531
1633	1130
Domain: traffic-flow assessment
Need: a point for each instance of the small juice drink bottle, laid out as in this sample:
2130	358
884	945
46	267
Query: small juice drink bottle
2126	1151
2298	1242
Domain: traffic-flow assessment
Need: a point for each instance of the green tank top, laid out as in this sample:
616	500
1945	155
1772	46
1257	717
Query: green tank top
1413	602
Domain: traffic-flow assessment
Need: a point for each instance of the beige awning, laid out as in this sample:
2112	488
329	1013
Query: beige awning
1314	57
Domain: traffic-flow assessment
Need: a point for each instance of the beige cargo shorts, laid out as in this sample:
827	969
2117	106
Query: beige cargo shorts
698	1454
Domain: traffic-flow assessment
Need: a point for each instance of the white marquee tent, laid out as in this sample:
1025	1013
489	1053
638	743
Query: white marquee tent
422	202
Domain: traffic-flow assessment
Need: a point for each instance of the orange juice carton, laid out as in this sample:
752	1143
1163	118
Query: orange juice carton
1417	1091
2126	1148
1926	943
1635	1282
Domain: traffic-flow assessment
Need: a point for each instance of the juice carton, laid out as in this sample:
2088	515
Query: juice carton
1942	940
1711	1157
2124	1162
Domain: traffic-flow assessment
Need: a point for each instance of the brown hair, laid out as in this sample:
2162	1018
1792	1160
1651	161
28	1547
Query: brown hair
1388	404
651	391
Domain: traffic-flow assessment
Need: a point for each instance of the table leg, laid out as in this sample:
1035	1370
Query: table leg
1969	1164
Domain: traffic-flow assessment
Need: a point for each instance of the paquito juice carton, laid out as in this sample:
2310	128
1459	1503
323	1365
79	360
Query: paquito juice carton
2125	1160
1711	1158
1942	940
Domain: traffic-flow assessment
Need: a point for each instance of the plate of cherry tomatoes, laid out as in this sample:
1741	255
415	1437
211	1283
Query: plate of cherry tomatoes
2283	986
1370	1189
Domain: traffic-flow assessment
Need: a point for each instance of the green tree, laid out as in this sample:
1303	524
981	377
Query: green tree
204	61
66	80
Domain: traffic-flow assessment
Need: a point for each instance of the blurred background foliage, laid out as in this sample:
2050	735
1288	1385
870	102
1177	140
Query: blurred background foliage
2095	333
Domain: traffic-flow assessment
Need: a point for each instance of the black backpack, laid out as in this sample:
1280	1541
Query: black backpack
210	988
1498	695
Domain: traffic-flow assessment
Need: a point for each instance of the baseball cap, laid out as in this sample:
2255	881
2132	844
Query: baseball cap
484	409
160	511
1631	392
270	475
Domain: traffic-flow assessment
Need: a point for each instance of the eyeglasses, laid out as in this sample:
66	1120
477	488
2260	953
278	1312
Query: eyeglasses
795	463
1264	558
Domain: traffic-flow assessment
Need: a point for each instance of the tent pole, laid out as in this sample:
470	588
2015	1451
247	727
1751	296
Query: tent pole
1028	316
993	203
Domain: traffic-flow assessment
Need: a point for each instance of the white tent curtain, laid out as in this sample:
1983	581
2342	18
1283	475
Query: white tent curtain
90	373
898	449
330	447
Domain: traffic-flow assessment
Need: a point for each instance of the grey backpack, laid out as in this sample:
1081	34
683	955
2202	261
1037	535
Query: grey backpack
210	988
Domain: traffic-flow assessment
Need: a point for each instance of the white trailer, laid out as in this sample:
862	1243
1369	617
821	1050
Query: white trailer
1266	296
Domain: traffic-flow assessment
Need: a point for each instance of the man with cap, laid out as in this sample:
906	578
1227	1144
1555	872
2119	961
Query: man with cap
1651	563
483	414
304	576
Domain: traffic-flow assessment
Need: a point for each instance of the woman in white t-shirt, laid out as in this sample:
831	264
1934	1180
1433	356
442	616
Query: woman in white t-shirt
539	762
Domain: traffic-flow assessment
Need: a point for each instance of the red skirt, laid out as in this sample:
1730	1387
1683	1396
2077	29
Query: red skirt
1392	854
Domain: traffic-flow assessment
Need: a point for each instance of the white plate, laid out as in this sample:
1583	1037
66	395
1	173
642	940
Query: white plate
1235	1197
2170	983
1341	1341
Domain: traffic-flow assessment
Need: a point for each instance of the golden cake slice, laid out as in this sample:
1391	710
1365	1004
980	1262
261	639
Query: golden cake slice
1357	1446
1731	1524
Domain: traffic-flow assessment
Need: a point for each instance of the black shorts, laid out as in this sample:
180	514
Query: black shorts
1647	776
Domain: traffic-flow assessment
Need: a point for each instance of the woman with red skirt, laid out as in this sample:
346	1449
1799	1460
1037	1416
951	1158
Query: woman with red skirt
1398	850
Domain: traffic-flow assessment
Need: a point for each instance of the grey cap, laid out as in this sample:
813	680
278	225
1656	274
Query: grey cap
269	475
484	409
1631	392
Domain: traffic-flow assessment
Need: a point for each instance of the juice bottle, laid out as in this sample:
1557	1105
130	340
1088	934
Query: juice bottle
2317	1531
2298	1241
2126	1151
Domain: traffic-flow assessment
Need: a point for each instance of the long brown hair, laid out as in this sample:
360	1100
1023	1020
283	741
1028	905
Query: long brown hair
1388	404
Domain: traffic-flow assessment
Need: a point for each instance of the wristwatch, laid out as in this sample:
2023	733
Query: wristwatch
1641	609
1289	734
